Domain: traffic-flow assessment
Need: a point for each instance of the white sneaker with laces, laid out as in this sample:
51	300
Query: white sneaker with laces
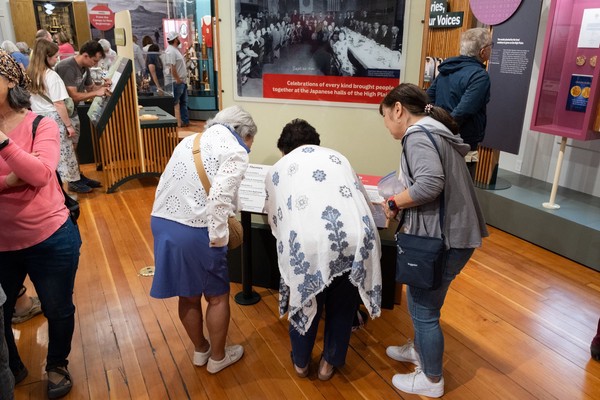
232	355
406	353
201	359
417	383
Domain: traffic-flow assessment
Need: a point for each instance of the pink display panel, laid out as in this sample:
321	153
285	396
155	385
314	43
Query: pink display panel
567	90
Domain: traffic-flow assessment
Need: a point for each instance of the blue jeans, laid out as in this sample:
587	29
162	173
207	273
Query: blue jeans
340	299
424	307
51	266
181	96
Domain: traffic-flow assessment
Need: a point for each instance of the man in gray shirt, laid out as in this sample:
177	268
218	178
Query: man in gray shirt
176	75
75	73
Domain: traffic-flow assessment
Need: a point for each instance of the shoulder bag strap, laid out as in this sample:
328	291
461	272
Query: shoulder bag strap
199	165
43	96
35	124
442	198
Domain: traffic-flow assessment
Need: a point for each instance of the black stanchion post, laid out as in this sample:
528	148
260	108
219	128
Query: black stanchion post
247	296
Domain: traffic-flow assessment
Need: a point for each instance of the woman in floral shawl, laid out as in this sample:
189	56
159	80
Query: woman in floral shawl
327	244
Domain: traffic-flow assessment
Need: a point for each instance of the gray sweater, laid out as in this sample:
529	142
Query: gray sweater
464	226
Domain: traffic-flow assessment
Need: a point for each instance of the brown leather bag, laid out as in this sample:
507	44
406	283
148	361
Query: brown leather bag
236	232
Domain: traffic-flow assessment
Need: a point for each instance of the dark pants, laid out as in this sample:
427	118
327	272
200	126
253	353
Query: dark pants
7	380
51	266
340	300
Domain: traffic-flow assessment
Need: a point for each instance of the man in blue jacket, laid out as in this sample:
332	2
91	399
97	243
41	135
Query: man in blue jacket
462	87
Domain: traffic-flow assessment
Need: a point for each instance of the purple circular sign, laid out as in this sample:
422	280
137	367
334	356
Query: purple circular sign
494	12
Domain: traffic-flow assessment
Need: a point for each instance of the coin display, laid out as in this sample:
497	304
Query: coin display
585	92
575	91
580	60
593	61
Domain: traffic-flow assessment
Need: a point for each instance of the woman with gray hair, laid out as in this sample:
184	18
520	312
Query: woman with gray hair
191	233
15	53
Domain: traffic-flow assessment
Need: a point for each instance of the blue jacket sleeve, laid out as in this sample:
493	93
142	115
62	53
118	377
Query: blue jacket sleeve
477	93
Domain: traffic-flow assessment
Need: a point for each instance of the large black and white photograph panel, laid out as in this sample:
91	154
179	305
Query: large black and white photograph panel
340	51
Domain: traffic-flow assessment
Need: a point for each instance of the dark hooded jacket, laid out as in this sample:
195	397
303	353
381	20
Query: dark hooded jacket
462	87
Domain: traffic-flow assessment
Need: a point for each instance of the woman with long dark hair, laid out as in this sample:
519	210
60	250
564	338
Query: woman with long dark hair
426	173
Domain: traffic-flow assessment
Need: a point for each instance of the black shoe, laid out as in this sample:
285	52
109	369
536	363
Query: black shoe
595	347
79	187
90	182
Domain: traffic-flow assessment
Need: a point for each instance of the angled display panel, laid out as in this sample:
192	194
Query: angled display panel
103	107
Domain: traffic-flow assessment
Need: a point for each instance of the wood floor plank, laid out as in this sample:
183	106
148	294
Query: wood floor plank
518	322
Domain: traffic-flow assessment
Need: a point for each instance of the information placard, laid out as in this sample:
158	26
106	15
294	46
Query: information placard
252	192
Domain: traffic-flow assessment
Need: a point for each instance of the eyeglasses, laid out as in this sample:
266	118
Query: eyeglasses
488	45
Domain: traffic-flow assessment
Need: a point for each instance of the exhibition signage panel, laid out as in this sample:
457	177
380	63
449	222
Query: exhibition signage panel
102	17
510	66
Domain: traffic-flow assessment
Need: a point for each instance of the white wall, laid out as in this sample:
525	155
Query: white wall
539	151
7	31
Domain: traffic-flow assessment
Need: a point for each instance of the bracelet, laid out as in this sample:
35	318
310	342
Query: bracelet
69	126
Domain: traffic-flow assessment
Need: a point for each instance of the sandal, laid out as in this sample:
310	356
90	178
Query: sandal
360	320
36	308
301	372
324	373
56	390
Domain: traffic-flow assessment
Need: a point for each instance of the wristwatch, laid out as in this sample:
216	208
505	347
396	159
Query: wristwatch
4	144
392	204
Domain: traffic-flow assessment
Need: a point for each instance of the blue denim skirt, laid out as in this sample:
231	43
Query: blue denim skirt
185	265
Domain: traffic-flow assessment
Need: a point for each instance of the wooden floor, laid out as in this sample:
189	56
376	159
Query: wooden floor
518	324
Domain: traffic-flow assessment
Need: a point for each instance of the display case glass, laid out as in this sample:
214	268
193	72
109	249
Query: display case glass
566	101
200	57
56	17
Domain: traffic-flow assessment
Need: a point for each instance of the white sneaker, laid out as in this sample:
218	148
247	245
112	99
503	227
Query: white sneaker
201	359
406	353
417	383
232	355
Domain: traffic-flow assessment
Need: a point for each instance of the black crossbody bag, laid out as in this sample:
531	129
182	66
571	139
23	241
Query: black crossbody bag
70	203
420	260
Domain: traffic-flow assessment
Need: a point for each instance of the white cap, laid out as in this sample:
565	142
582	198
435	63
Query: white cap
172	36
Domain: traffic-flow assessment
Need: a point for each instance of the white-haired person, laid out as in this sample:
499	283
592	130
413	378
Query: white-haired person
191	233
15	53
462	87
